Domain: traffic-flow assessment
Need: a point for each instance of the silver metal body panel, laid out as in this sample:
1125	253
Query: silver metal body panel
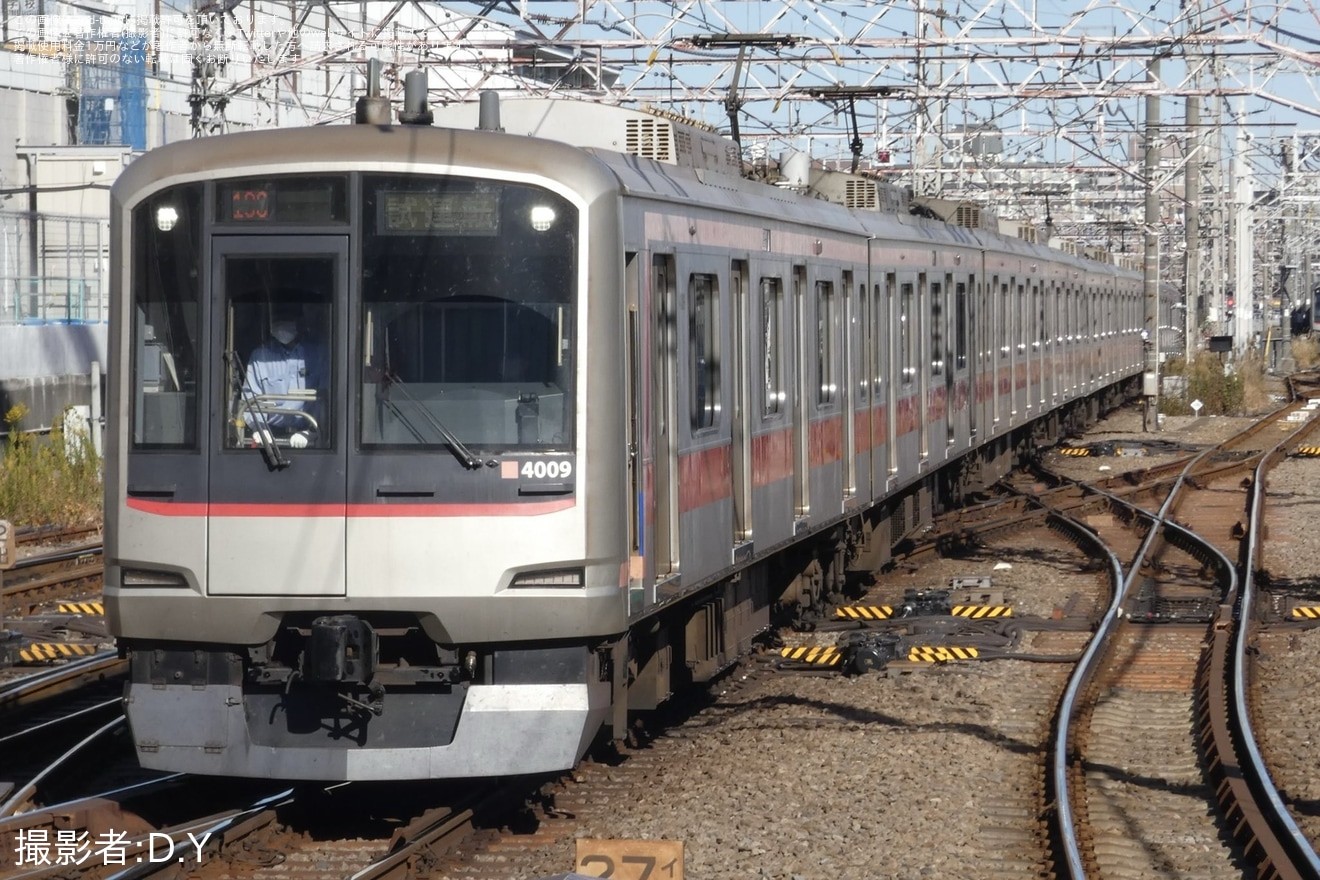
505	729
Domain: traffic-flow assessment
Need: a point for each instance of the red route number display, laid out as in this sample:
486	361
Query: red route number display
288	201
250	205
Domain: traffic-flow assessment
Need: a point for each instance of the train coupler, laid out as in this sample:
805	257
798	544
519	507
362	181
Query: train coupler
342	648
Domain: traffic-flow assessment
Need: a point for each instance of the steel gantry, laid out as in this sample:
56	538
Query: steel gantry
1038	109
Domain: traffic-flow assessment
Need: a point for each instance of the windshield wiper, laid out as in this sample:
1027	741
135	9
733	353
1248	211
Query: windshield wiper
465	456
269	451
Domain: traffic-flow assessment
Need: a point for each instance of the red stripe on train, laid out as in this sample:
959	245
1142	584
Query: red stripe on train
937	404
825	442
772	457
879	417
861	430
906	420
355	511
704	477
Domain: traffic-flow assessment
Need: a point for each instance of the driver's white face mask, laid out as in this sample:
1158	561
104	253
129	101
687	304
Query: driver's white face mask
284	331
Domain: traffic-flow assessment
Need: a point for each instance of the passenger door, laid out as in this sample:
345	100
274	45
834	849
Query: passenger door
740	279
664	416
277	511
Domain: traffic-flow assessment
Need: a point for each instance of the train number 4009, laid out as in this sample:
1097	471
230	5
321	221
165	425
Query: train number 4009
547	470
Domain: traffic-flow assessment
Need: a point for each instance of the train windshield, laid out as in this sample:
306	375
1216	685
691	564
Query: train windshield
167	296
467	314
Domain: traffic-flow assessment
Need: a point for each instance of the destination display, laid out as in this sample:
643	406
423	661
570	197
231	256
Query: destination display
470	212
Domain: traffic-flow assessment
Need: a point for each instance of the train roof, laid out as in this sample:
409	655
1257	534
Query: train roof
646	133
360	147
671	140
643	153
660	155
663	155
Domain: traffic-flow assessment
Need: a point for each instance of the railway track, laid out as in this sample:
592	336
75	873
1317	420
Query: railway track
50	609
1281	646
50	575
1165	658
57	732
1147	807
1157	676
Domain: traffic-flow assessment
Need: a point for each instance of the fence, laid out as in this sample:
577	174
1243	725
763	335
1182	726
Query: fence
53	268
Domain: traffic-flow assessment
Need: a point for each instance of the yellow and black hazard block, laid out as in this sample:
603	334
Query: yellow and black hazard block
982	612
819	655
940	654
45	653
1309	451
1075	450
1306	612
865	612
82	608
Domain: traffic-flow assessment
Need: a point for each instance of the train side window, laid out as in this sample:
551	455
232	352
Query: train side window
703	345
905	332
772	342
1023	321
1038	315
1006	324
167	265
861	330
1069	316
960	326
878	332
827	351
936	328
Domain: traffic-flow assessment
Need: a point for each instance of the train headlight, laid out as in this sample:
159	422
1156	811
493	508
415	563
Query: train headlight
543	217
166	217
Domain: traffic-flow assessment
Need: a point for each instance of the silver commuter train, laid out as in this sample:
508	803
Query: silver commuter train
574	408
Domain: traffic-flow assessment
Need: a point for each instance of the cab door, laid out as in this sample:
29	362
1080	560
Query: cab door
277	501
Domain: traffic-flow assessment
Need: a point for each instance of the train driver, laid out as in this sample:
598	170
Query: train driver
285	372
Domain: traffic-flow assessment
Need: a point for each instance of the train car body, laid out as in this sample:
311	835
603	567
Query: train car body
568	423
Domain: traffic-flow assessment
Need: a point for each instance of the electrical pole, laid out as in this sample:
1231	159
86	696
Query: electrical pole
928	158
1243	257
1192	228
1151	266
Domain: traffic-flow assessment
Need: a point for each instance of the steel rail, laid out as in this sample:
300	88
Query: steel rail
233	826
43	727
10	806
1299	848
48	683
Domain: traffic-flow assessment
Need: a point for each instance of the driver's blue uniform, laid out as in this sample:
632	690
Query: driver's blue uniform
276	369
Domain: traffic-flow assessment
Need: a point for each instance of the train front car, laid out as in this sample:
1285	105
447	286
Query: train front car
347	531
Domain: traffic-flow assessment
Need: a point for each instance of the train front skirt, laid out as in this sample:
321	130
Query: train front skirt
217	729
